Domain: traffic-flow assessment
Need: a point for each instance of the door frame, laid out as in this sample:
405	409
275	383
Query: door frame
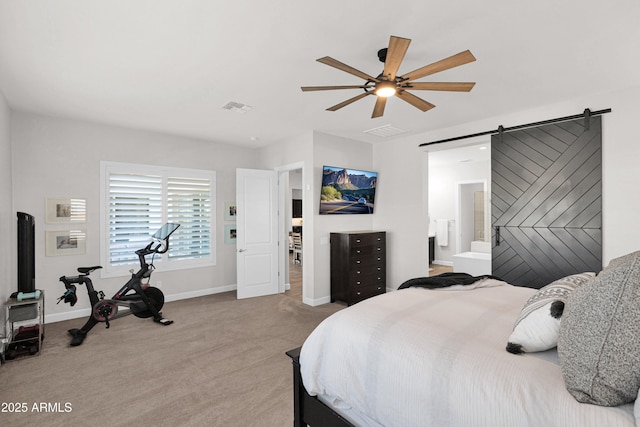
283	239
487	210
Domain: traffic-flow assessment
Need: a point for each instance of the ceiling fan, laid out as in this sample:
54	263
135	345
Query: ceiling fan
388	83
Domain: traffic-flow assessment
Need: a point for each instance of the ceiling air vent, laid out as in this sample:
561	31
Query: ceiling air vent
237	107
385	131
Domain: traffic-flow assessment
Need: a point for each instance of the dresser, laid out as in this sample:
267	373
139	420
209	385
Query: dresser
358	265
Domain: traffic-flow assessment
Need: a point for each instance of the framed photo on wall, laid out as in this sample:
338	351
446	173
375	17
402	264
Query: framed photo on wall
65	242
229	233
66	210
230	211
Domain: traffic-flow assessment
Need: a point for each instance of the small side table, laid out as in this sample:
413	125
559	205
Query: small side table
24	327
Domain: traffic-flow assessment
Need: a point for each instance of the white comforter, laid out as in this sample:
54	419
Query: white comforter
419	357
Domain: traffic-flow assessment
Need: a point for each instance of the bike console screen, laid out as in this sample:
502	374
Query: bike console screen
165	231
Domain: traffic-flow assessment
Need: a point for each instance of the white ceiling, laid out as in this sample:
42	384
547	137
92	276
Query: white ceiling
171	66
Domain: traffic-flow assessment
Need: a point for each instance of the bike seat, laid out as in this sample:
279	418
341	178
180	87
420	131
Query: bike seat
87	270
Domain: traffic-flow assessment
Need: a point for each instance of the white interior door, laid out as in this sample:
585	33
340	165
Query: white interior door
256	232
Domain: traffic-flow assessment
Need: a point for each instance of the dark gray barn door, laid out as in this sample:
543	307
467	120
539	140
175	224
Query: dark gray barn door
546	202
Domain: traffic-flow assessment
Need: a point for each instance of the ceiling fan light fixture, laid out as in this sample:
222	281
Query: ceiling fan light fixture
389	83
385	89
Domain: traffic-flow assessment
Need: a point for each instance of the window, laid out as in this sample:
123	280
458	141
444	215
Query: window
138	199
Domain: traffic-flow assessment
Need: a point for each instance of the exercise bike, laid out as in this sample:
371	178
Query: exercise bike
142	300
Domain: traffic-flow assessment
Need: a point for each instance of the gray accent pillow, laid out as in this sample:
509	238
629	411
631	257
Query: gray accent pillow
599	341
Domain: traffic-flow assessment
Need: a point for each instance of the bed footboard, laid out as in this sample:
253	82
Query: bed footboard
307	409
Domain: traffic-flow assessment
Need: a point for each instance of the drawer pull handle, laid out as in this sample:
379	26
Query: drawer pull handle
358	251
358	293
358	272
358	262
357	283
379	249
357	240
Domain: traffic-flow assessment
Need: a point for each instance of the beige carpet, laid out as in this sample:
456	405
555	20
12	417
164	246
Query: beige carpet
221	363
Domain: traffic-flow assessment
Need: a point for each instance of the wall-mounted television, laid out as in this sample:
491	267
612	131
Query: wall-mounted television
347	191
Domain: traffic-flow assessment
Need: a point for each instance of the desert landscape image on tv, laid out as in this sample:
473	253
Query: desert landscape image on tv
347	191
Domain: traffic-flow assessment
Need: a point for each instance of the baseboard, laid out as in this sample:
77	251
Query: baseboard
200	293
69	315
439	262
85	312
316	302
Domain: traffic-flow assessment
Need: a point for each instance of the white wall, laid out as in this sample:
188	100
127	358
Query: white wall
401	208
8	245
61	158
335	151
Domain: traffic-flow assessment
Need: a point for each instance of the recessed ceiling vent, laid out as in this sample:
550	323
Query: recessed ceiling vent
237	107
385	131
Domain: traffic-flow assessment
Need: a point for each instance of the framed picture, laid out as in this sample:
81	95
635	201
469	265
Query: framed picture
230	233
65	242
66	210
230	211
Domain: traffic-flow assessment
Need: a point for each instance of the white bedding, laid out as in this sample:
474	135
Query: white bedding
419	357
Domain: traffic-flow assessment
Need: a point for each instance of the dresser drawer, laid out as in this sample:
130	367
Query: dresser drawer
367	251
357	261
365	292
366	239
367	277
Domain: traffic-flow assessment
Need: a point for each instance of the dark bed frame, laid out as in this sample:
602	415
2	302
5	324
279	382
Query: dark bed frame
307	409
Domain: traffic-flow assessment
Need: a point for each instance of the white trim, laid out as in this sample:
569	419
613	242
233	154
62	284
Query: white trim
283	253
316	302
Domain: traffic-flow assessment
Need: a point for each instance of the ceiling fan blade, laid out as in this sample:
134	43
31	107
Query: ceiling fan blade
445	86
344	67
419	103
378	109
395	54
313	88
348	101
442	65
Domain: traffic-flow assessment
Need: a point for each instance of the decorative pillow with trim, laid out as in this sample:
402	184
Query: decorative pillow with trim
598	346
538	325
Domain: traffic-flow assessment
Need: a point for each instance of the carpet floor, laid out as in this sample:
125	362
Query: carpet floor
221	363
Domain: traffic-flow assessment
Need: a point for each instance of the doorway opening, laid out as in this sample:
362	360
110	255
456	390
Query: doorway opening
458	200
291	230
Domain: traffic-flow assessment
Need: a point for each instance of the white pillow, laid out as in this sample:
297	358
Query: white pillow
538	325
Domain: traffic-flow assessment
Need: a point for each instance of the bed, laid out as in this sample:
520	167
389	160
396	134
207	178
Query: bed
436	357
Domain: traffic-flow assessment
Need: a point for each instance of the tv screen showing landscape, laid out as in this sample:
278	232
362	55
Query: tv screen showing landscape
347	191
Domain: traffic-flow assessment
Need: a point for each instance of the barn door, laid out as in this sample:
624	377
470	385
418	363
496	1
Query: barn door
546	202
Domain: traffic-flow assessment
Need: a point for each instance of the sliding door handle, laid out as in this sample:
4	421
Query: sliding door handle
498	235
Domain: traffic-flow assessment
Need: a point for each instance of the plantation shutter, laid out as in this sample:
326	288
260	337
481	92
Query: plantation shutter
135	212
189	204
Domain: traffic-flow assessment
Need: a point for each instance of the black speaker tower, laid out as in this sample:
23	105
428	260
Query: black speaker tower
26	253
